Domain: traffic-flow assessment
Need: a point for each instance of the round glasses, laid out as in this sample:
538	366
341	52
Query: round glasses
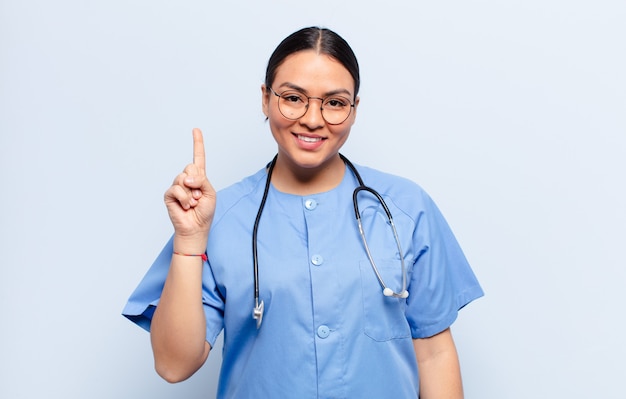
293	105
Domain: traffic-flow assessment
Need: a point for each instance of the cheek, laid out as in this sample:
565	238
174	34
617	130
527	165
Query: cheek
342	131
344	136
273	114
278	123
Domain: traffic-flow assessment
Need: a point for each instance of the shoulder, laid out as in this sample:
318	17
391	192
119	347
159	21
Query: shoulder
240	195
405	195
391	185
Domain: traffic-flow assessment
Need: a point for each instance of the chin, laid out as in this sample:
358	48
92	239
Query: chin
312	160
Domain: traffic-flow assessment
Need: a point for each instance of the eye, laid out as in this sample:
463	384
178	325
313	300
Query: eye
336	102
293	98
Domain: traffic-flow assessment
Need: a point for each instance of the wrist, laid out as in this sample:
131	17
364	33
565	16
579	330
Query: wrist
195	245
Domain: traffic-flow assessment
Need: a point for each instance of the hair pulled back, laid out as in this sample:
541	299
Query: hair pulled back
322	40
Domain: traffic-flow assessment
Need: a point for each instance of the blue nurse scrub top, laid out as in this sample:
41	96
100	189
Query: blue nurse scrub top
327	331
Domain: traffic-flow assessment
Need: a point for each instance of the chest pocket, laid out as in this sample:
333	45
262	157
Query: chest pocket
383	317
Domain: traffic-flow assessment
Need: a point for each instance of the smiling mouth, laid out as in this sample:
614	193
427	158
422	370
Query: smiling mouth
307	139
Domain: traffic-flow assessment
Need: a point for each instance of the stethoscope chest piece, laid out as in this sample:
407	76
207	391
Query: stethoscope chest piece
257	313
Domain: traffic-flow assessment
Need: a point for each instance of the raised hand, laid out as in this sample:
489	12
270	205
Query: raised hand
190	201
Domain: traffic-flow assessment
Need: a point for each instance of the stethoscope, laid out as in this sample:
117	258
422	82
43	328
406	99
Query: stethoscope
259	307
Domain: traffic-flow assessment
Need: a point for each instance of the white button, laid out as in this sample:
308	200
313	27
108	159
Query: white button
310	204
317	260
323	331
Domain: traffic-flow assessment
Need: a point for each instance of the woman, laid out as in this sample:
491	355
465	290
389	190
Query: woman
318	309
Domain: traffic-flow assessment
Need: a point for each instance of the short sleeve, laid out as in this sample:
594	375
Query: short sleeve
143	301
442	281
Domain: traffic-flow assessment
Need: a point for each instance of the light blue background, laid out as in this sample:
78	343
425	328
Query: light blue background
510	113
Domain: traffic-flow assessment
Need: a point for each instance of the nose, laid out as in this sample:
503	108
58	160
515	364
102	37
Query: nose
313	117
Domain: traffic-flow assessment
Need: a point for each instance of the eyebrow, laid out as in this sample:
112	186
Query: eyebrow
292	86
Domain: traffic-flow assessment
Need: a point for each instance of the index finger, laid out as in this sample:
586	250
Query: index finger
198	149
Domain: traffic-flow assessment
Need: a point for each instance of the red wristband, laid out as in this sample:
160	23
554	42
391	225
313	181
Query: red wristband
203	256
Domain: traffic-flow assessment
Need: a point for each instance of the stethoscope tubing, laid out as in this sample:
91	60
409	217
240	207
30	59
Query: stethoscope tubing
259	307
362	187
388	292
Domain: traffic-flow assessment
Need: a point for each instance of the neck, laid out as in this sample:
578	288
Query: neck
290	178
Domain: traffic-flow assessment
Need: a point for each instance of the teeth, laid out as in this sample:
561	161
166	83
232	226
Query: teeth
309	139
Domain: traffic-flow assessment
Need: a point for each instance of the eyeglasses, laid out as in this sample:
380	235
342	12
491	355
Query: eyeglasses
293	105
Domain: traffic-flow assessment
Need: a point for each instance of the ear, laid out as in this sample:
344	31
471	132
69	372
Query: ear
265	100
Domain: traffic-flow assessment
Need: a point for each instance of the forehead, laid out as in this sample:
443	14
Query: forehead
313	72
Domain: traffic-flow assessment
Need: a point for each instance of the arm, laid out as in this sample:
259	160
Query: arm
438	367
178	326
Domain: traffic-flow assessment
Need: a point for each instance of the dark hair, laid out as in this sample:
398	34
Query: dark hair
322	40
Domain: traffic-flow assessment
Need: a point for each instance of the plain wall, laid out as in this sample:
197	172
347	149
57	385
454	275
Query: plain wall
511	114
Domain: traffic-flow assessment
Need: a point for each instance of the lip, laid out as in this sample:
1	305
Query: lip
308	141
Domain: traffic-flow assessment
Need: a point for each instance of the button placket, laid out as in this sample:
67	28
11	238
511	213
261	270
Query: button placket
317	244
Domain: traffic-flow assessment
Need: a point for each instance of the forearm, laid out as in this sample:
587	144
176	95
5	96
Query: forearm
178	330
438	367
